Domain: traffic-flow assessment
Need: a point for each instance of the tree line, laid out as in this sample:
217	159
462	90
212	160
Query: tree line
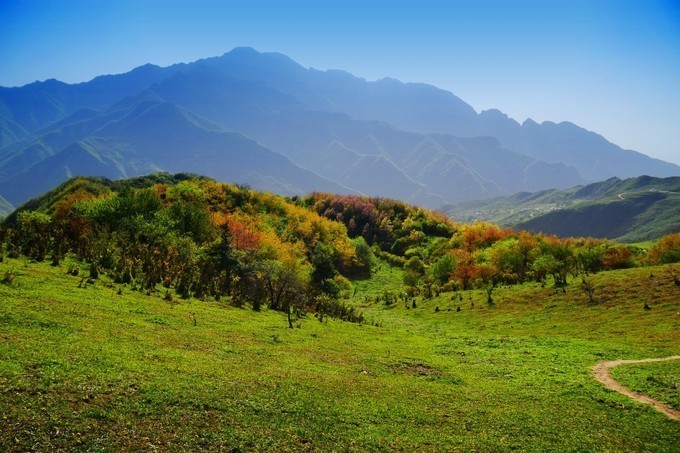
438	254
199	238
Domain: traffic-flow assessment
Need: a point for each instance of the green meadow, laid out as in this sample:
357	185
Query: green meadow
97	366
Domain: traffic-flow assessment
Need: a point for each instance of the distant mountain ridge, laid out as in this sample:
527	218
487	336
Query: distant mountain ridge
149	136
629	210
262	119
5	207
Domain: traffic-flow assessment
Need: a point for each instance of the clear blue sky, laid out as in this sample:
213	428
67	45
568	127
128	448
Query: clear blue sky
610	66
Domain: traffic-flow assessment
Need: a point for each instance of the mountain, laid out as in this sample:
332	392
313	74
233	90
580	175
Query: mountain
286	128
5	207
148	136
592	155
630	210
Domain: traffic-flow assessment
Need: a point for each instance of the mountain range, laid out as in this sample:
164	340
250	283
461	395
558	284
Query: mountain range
262	119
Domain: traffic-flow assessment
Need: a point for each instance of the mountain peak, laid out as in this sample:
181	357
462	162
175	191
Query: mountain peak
390	81
493	112
238	51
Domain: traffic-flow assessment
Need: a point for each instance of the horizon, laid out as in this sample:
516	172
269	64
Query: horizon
612	68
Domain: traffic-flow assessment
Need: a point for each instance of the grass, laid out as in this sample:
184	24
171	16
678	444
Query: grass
660	380
385	278
86	368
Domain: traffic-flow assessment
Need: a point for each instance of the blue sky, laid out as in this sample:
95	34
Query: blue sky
610	66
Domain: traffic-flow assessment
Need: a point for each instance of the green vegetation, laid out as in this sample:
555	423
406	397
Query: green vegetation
195	237
98	366
630	210
660	380
175	312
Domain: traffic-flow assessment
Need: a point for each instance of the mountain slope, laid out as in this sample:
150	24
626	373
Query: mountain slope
411	141
631	210
150	136
5	207
591	154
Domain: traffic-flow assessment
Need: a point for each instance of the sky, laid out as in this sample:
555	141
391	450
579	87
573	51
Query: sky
612	67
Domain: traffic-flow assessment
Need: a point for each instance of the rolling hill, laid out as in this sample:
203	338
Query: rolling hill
175	312
630	210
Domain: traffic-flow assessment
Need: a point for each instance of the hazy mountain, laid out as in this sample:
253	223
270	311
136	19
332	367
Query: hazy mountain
634	209
5	207
385	138
40	104
591	154
152	135
373	157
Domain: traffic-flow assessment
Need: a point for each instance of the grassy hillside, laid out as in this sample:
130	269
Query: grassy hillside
98	366
179	313
630	210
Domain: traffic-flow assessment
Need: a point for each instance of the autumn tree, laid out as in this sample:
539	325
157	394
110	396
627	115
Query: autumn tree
666	251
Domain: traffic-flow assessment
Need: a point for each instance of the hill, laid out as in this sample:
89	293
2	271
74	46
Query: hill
178	312
630	210
242	114
200	237
101	366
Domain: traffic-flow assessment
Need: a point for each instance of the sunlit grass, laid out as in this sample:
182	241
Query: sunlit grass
84	367
660	380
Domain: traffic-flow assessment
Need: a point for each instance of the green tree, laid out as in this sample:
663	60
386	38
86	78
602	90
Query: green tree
364	255
414	269
324	270
440	271
33	234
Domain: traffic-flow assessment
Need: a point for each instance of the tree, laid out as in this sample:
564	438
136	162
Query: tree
589	289
666	251
588	259
617	257
549	265
556	259
364	255
323	263
440	271
33	234
414	269
287	282
191	218
508	258
466	269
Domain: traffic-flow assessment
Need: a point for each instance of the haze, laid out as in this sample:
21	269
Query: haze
612	67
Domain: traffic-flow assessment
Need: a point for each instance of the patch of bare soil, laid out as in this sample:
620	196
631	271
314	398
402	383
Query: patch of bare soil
602	374
418	369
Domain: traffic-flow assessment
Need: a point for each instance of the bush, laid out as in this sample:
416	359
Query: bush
666	251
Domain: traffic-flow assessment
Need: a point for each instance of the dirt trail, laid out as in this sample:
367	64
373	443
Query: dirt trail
602	374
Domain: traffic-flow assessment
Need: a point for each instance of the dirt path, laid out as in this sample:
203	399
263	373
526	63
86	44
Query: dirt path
602	374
